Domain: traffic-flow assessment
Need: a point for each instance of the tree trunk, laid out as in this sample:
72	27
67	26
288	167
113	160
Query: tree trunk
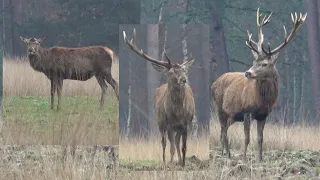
152	74
205	53
217	43
312	22
129	104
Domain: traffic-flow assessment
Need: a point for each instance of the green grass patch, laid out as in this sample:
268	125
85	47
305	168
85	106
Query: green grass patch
37	108
151	163
29	119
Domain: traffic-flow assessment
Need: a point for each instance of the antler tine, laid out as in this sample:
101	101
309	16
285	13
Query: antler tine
250	42
169	60
297	22
133	46
260	23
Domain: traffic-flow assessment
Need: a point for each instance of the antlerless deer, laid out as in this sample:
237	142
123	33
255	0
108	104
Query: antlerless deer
173	101
59	63
253	94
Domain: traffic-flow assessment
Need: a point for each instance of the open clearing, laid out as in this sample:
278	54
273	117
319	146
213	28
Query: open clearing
284	158
28	118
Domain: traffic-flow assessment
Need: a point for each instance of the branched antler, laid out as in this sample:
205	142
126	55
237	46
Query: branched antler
258	46
260	23
133	46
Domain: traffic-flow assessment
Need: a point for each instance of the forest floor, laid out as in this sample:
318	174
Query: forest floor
57	162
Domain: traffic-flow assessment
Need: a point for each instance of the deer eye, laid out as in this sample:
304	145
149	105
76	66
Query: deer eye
264	65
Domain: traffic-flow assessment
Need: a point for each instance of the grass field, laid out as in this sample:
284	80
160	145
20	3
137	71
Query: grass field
140	154
290	152
29	120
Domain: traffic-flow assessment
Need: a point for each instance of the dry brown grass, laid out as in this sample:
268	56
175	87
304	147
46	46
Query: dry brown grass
19	79
275	137
139	149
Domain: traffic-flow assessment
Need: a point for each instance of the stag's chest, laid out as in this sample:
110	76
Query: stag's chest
178	112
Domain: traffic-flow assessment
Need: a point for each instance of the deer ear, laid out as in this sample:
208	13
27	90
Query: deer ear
274	58
188	63
26	40
159	68
41	39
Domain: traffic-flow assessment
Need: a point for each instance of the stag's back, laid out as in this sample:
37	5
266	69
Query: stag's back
233	92
85	58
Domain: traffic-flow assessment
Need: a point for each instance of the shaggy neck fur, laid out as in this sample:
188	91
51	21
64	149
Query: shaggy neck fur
268	90
36	61
176	93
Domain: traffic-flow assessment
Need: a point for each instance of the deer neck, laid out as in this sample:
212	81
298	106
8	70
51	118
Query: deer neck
268	90
176	93
36	60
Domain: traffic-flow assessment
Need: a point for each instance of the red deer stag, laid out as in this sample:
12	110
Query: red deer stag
173	101
59	63
253	94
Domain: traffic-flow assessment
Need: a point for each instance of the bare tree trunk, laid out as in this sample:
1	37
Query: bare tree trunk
303	82
205	53
218	44
313	46
3	27
129	104
12	27
152	75
194	128
288	109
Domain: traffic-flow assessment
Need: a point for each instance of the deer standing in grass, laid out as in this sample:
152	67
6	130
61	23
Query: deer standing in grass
59	63
253	94
173	101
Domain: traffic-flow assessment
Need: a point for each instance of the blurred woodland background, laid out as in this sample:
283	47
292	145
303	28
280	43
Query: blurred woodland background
73	23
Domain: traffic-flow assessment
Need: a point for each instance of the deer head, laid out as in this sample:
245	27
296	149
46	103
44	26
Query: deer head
176	73
33	44
265	60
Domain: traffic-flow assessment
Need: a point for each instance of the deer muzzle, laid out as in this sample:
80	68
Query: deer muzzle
182	80
248	74
31	51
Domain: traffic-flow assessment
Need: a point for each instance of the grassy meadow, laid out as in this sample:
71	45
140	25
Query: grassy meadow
141	154
28	118
290	152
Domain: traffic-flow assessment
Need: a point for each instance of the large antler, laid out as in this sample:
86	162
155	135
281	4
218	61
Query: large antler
260	23
296	23
133	46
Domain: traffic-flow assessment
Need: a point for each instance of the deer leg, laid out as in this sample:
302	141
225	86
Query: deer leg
59	90
164	143
223	125
177	142
171	140
246	125
114	85
52	93
104	88
260	127
184	147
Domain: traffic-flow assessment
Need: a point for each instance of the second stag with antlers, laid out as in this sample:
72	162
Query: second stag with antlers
253	94
173	101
